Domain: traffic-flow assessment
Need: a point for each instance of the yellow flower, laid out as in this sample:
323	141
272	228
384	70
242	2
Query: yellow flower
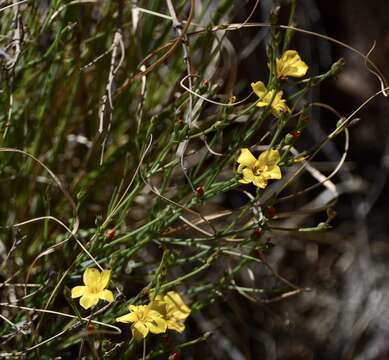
94	289
259	171
267	98
232	99
172	308
144	319
290	64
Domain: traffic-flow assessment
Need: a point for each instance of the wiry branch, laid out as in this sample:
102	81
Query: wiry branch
117	49
188	116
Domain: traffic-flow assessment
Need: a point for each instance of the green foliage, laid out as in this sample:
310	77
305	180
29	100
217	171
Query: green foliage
141	180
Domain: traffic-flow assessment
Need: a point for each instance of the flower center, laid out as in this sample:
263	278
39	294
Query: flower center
259	170
94	290
142	315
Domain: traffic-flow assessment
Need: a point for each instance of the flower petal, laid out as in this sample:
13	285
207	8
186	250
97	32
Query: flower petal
105	275
262	103
175	306
106	295
260	181
158	305
91	277
175	325
268	158
151	314
139	330
154	297
87	301
274	173
243	181
246	158
128	318
248	176
278	104
157	325
290	64
78	291
137	308
240	168
259	88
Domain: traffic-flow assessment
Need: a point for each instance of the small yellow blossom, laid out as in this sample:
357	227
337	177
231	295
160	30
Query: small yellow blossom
172	308
259	171
232	99
290	64
144	319
267	97
94	289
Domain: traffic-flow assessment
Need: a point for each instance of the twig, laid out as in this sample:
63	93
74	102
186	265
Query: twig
177	26
171	45
12	5
117	46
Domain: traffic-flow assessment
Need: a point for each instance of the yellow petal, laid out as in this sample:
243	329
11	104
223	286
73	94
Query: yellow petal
139	330
106	295
276	102
178	314
246	158
87	301
269	97
105	275
262	103
268	158
175	325
138	308
274	173
259	88
260	181
157	325
128	318
157	298
91	277
175	306
78	291
158	305
240	168
278	105
173	297
290	64
248	176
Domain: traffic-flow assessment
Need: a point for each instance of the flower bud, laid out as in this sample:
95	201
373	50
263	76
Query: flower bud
270	212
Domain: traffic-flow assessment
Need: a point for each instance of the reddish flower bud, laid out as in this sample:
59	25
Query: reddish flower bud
270	212
295	133
258	232
205	83
173	356
90	329
199	191
110	234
